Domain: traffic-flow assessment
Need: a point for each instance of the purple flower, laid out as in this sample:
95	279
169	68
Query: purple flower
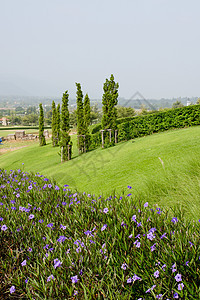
146	204
63	227
133	218
26	280
18	195
191	244
135	277
1	219
187	263
75	293
156	274
12	289
153	247
138	244
57	263
129	187
50	277
105	210
174	220
130	236
178	277
175	295
163	236
30	249
104	227
74	279
50	225
129	195
150	236
4	227
23	263
61	239
180	286
124	266
129	280
57	188
31	216
41	221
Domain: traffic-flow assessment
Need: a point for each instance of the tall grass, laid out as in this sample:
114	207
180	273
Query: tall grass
61	244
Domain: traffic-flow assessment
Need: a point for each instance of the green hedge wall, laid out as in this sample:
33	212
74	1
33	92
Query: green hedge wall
159	121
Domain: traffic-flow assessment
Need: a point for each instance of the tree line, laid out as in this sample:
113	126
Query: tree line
61	120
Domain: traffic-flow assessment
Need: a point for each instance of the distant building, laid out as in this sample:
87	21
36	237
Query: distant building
4	121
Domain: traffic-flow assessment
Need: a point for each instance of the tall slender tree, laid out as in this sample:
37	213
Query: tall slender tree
86	114
65	143
80	118
41	127
109	101
58	124
53	124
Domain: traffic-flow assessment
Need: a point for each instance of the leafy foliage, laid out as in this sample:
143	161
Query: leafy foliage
159	121
65	142
41	127
80	118
109	101
53	125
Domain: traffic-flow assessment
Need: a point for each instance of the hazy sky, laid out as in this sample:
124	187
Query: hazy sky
151	46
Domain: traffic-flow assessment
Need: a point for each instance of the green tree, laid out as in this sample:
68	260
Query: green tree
125	112
177	104
109	101
41	127
65	143
198	101
86	115
58	124
53	125
80	118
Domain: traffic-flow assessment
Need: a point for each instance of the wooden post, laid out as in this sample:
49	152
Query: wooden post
84	144
110	132
115	136
78	144
68	146
102	138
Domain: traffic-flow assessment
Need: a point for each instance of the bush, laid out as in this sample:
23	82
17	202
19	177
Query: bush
158	121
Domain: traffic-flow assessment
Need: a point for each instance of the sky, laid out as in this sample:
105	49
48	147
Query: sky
150	46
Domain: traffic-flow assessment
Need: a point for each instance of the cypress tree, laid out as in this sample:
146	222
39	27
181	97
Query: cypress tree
53	125
86	114
65	137
109	101
80	118
58	124
41	127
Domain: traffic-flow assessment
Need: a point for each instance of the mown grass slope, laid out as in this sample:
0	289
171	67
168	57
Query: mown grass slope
161	168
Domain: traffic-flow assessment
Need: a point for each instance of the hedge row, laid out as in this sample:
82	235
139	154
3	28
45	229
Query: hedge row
159	121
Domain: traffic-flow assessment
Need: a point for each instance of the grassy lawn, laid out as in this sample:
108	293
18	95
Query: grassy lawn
137	163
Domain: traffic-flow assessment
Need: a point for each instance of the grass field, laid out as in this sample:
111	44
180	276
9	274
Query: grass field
162	167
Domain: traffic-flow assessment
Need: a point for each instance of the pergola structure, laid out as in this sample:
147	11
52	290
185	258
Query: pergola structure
110	135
